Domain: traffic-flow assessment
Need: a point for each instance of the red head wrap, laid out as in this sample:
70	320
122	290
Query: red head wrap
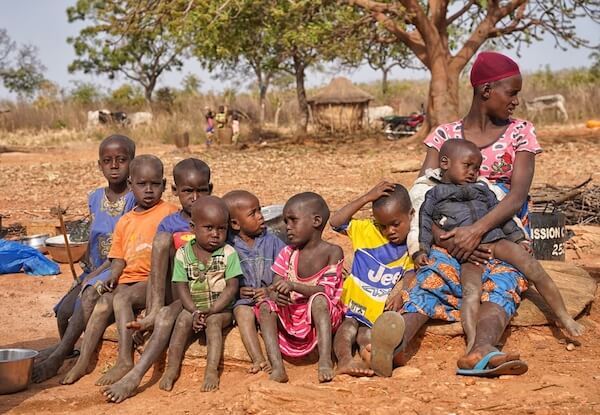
492	66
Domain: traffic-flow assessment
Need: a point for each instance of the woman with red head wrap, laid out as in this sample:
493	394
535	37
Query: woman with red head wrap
508	147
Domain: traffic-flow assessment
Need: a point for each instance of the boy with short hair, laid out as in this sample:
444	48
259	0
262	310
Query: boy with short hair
257	249
381	263
130	266
191	181
206	277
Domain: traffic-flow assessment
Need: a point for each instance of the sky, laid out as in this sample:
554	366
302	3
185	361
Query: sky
44	24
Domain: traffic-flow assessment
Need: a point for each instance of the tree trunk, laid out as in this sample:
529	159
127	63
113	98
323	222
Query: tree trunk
299	68
442	105
384	81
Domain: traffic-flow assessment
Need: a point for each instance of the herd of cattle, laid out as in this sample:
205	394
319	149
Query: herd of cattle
98	117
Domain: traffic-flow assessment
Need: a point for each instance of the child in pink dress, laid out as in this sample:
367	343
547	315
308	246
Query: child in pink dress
306	290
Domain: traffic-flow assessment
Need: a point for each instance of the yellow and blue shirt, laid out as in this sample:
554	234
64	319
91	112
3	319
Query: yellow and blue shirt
378	265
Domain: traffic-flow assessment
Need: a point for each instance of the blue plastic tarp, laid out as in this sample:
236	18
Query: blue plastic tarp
15	257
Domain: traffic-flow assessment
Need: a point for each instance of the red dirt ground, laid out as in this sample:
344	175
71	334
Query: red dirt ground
558	381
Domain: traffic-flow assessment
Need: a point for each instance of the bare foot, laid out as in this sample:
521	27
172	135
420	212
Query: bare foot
365	354
354	368
574	328
46	369
279	375
45	353
264	366
76	373
168	380
326	373
469	360
211	380
114	374
121	390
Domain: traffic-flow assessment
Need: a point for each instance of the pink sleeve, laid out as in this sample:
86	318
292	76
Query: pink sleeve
436	138
524	138
332	280
281	264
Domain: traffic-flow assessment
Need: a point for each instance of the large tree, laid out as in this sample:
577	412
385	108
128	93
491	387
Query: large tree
123	40
21	71
444	34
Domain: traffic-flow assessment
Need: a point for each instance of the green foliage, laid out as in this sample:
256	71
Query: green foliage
191	84
127	96
85	93
26	76
114	44
165	98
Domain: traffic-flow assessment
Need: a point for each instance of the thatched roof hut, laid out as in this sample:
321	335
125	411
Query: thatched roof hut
340	106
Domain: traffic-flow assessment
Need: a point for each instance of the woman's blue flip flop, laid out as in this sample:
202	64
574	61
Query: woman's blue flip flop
386	335
513	367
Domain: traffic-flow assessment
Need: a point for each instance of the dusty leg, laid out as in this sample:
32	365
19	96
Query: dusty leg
49	367
244	315
515	255
491	322
89	304
126	299
99	320
165	320
215	324
268	327
155	298
179	341
363	339
66	309
322	321
470	280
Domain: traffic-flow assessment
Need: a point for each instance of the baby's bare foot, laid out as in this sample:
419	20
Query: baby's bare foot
211	380
326	373
115	374
76	373
46	369
574	328
264	366
168	380
121	390
354	368
279	375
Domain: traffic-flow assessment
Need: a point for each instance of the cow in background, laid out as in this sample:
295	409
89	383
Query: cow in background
374	114
540	104
140	118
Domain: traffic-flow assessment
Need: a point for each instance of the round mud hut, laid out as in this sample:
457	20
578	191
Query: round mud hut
340	106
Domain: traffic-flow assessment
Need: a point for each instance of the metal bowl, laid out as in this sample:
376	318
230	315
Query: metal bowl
273	215
58	250
15	369
35	241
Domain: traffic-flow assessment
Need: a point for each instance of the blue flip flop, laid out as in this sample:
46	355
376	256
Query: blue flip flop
481	369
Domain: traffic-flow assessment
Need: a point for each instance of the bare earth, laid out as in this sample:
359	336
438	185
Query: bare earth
558	382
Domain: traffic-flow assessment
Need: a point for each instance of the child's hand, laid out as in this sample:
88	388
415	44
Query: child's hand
260	294
526	244
422	260
279	298
394	302
383	188
110	284
198	321
282	286
247	292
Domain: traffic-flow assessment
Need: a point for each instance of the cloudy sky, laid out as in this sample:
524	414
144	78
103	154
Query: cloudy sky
43	23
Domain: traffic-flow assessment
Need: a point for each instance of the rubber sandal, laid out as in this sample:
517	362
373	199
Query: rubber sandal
386	336
481	369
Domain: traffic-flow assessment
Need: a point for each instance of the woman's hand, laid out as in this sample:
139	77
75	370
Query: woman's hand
466	240
480	256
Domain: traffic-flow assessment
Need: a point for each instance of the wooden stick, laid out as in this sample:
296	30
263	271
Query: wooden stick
63	229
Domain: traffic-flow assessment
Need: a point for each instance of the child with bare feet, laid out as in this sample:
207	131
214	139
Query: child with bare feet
305	307
460	200
191	179
257	249
206	277
381	262
125	290
106	206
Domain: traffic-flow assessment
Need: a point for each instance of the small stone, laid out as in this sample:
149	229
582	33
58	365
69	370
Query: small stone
406	372
463	395
570	347
425	398
485	390
597	377
507	377
470	382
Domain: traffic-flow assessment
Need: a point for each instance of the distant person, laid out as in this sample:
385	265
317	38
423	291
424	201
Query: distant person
210	125
221	121
235	128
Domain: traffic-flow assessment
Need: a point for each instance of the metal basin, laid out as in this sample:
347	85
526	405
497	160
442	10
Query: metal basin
273	215
15	369
58	250
35	241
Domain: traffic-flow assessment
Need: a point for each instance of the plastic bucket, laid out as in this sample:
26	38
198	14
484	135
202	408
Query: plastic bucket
548	233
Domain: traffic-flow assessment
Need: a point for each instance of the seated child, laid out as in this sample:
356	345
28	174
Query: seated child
257	249
380	262
461	200
191	181
125	290
106	205
206	277
304	307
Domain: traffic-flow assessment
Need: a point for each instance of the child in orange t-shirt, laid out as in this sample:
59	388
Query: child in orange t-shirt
130	254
